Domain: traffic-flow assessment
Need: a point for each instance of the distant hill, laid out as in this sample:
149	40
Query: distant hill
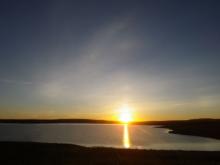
170	122
56	121
165	122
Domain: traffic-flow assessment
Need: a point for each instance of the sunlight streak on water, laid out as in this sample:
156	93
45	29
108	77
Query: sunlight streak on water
126	139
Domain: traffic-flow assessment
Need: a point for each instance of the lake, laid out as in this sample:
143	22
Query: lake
107	135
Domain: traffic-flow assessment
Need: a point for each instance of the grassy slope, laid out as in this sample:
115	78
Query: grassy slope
62	154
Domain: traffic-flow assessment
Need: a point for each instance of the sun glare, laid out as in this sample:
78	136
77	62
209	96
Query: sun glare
125	115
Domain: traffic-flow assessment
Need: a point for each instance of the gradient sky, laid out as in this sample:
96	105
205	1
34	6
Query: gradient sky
85	59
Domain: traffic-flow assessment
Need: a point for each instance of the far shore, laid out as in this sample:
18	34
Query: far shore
196	127
27	153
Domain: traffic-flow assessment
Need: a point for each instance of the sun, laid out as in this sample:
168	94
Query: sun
125	115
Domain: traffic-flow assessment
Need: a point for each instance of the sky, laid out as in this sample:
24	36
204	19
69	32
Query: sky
86	59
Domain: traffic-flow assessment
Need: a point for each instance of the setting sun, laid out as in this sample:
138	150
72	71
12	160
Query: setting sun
125	115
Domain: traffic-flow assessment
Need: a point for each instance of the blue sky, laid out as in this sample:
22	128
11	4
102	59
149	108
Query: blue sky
85	59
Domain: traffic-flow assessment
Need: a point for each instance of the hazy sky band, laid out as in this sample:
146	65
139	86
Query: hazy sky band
86	58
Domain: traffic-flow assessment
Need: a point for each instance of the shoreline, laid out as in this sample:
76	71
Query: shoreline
196	127
33	153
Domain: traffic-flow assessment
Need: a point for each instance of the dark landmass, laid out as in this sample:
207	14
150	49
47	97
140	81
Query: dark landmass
22	153
50	121
196	127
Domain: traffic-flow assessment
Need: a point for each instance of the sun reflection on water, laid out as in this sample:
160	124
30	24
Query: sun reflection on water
126	139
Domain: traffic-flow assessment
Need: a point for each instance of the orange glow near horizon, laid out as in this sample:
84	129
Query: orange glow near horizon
125	114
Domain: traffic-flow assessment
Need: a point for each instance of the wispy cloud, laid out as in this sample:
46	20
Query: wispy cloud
92	72
15	82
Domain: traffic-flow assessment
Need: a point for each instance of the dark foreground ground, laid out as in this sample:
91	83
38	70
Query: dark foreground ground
17	153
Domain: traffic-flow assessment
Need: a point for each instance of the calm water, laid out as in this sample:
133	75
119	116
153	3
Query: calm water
132	136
